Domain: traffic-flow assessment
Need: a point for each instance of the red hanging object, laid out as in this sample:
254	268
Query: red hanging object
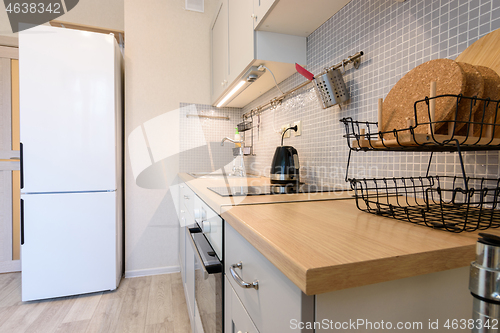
304	72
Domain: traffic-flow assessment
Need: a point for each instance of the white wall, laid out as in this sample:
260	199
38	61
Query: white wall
166	63
98	13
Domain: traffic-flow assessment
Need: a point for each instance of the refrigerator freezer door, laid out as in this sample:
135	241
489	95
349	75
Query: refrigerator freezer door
69	245
68	110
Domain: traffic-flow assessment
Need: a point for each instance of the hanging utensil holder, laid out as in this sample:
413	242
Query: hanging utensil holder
331	88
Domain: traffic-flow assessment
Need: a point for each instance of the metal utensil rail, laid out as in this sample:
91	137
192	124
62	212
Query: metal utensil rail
355	59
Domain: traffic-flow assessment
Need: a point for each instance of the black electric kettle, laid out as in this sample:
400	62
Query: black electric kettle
285	166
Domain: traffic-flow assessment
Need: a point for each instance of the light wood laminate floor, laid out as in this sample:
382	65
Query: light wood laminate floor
151	304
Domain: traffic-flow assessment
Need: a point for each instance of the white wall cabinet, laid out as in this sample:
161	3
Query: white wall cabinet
240	36
260	9
219	50
294	17
249	33
236	46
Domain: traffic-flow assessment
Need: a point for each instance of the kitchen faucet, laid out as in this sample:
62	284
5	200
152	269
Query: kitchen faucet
229	139
237	171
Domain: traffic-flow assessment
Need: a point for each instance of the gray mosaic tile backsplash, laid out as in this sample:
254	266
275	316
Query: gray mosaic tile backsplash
395	37
212	156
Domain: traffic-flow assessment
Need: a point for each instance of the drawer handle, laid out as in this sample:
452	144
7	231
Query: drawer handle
239	280
186	197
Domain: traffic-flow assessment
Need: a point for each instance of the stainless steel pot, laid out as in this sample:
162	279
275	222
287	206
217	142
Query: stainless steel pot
484	284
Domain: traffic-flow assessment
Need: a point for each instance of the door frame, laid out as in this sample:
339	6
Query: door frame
9	159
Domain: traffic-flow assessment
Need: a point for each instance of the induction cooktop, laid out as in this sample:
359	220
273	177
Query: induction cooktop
235	191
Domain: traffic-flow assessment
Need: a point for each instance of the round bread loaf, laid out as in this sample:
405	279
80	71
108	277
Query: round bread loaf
414	86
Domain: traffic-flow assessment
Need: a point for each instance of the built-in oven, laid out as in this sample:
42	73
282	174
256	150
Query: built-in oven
208	282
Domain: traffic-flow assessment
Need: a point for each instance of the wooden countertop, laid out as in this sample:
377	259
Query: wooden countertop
216	202
324	246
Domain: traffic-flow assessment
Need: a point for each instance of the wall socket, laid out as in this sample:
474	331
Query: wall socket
299	128
283	128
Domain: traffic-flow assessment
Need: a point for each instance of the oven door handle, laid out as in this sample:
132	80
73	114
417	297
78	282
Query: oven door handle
239	280
195	248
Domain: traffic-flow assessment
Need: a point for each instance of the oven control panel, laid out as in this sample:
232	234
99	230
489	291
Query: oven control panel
210	223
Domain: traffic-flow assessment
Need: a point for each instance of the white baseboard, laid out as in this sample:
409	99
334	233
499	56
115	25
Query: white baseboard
10	266
152	271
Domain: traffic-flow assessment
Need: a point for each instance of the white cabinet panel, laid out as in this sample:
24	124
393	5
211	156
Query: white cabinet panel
241	37
182	244
277	300
219	51
235	48
189	283
236	318
295	17
187	202
260	8
416	302
211	224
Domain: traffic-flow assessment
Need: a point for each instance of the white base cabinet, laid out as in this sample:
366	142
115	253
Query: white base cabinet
276	301
236	318
187	255
424	303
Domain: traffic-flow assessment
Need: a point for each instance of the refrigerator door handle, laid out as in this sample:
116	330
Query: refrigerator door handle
22	222
21	162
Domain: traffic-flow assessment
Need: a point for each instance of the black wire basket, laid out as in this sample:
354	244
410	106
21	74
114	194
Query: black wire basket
244	126
448	203
478	131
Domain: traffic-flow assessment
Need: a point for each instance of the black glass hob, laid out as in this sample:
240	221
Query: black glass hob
236	191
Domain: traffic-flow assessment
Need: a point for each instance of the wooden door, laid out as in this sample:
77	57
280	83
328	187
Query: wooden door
9	160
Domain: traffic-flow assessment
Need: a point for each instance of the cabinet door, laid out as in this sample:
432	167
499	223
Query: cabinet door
260	8
277	300
237	319
219	50
241	41
182	244
189	284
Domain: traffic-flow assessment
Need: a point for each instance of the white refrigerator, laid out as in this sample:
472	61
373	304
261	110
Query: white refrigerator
71	163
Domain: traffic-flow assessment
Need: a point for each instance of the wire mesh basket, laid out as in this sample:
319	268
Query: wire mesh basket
244	126
446	203
473	131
